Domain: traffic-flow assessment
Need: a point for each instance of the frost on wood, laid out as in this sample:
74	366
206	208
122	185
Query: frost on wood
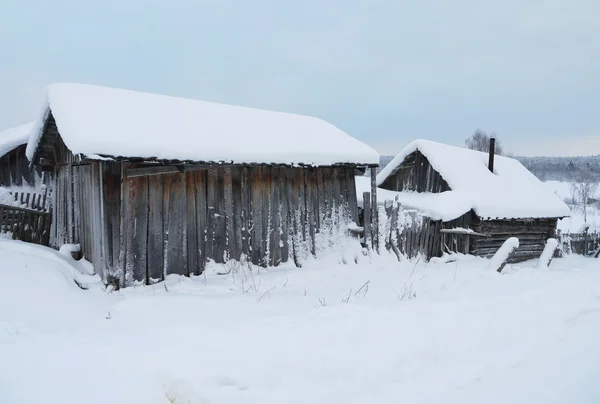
548	253
399	228
499	259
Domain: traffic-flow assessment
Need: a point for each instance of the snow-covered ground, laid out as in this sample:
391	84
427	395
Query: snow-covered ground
574	223
377	331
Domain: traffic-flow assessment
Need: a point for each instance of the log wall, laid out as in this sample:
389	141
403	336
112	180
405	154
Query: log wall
532	235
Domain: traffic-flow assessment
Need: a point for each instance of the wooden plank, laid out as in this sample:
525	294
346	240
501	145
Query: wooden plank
246	212
310	187
462	232
256	215
367	219
220	235
211	210
191	223
276	212
375	212
266	216
284	217
140	237
176	241
156	230
238	207
128	224
351	195
151	171
322	197
294	225
231	249
201	219
303	236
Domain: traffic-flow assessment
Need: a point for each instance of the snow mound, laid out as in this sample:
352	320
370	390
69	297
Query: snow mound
444	206
14	137
510	192
99	121
323	333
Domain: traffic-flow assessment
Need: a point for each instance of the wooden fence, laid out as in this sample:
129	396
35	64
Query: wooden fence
30	221
26	225
404	231
587	244
31	200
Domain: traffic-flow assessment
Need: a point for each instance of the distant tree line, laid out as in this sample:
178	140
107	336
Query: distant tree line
567	169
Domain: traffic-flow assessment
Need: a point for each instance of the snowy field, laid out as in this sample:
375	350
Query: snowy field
574	223
377	331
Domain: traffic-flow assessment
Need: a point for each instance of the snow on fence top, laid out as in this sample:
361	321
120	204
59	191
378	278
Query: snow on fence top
99	121
510	192
12	138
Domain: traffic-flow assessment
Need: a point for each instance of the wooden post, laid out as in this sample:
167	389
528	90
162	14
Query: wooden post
374	210
367	217
492	152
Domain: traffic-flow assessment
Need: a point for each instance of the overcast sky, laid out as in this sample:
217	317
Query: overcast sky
385	71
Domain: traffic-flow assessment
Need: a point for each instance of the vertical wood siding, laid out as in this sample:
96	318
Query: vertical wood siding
267	215
14	170
415	173
139	229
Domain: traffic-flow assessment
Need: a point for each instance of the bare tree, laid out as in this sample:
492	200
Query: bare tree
584	189
481	141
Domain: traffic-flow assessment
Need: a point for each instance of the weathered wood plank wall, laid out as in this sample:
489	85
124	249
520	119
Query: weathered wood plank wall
142	228
415	174
14	170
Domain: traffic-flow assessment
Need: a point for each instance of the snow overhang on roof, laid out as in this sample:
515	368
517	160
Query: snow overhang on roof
102	121
14	137
510	192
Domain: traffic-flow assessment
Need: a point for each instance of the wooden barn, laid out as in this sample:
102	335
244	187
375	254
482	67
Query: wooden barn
473	201
153	185
14	166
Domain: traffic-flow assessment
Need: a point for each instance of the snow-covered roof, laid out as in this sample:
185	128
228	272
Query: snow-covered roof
444	206
511	192
101	121
14	137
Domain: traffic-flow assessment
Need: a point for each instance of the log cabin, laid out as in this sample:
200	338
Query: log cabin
473	201
14	166
152	185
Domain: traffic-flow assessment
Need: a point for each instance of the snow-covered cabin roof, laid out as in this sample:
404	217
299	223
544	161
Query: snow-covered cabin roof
99	121
14	137
510	192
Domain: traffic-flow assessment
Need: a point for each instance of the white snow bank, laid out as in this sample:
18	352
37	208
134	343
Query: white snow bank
6	197
443	206
498	260
548	253
14	137
325	333
510	192
95	120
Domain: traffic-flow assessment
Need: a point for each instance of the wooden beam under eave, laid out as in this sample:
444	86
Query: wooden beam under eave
145	171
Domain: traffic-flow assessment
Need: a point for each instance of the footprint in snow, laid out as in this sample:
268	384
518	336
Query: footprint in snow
225	381
179	392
